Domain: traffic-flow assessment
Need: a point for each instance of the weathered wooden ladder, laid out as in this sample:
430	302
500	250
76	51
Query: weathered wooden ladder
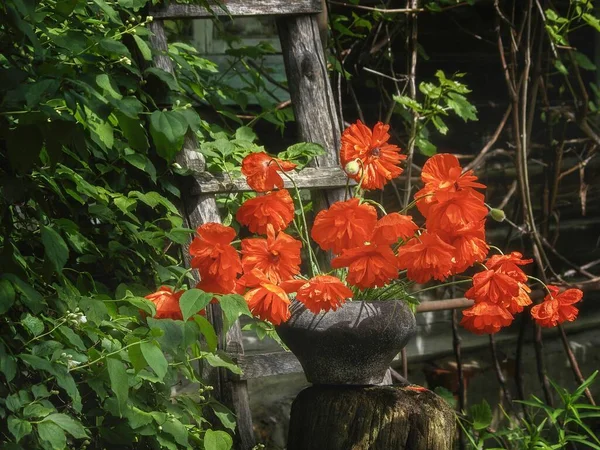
317	121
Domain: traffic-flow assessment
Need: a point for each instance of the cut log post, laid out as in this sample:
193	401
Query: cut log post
373	418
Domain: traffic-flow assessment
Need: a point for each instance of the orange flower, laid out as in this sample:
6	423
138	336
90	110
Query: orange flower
493	287
213	254
425	257
266	300
261	171
520	301
486	318
509	264
217	285
443	176
442	173
277	256
167	303
459	209
379	159
368	266
469	244
323	293
275	208
392	227
557	308
344	225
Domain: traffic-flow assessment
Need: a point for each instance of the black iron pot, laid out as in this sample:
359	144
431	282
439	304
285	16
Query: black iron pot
353	345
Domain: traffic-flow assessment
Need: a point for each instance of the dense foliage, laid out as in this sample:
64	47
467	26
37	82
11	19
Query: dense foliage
89	225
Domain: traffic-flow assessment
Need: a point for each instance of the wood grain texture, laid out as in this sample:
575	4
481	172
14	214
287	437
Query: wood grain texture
307	178
373	418
196	210
239	8
268	364
310	90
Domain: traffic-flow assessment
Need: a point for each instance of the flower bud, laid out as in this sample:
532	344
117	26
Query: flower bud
352	168
497	214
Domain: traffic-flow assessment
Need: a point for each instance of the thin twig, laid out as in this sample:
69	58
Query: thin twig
499	373
574	365
381	10
459	369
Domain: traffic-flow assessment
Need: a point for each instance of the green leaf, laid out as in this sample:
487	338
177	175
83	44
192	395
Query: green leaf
30	297
119	382
18	427
56	250
208	331
222	360
112	46
104	82
561	67
70	425
137	358
165	77
8	365
302	153
168	130
144	49
34	325
461	106
591	20
583	61
7	295
245	134
425	146
176	429
233	306
52	434
193	301
108	10
37	410
481	415
155	358
223	413
73	338
217	440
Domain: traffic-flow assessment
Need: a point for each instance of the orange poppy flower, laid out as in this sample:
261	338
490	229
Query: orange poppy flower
392	227
442	173
277	256
470	245
425	257
379	159
344	225
486	318
213	254
323	293
459	209
167	303
261	171
275	208
509	264
493	287
269	302
266	300
217	285
520	301
368	266
557	308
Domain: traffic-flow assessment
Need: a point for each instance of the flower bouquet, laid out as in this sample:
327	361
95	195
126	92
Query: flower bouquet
355	250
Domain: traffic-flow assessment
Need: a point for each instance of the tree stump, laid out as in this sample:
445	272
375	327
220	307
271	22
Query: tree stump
374	418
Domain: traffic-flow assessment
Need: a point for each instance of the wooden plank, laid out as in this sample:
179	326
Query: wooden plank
307	178
310	91
268	364
197	210
239	8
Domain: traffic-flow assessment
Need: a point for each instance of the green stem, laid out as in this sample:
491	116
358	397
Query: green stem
313	262
46	333
542	283
106	356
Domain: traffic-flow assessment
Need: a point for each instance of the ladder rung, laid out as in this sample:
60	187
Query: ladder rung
267	364
307	178
239	8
